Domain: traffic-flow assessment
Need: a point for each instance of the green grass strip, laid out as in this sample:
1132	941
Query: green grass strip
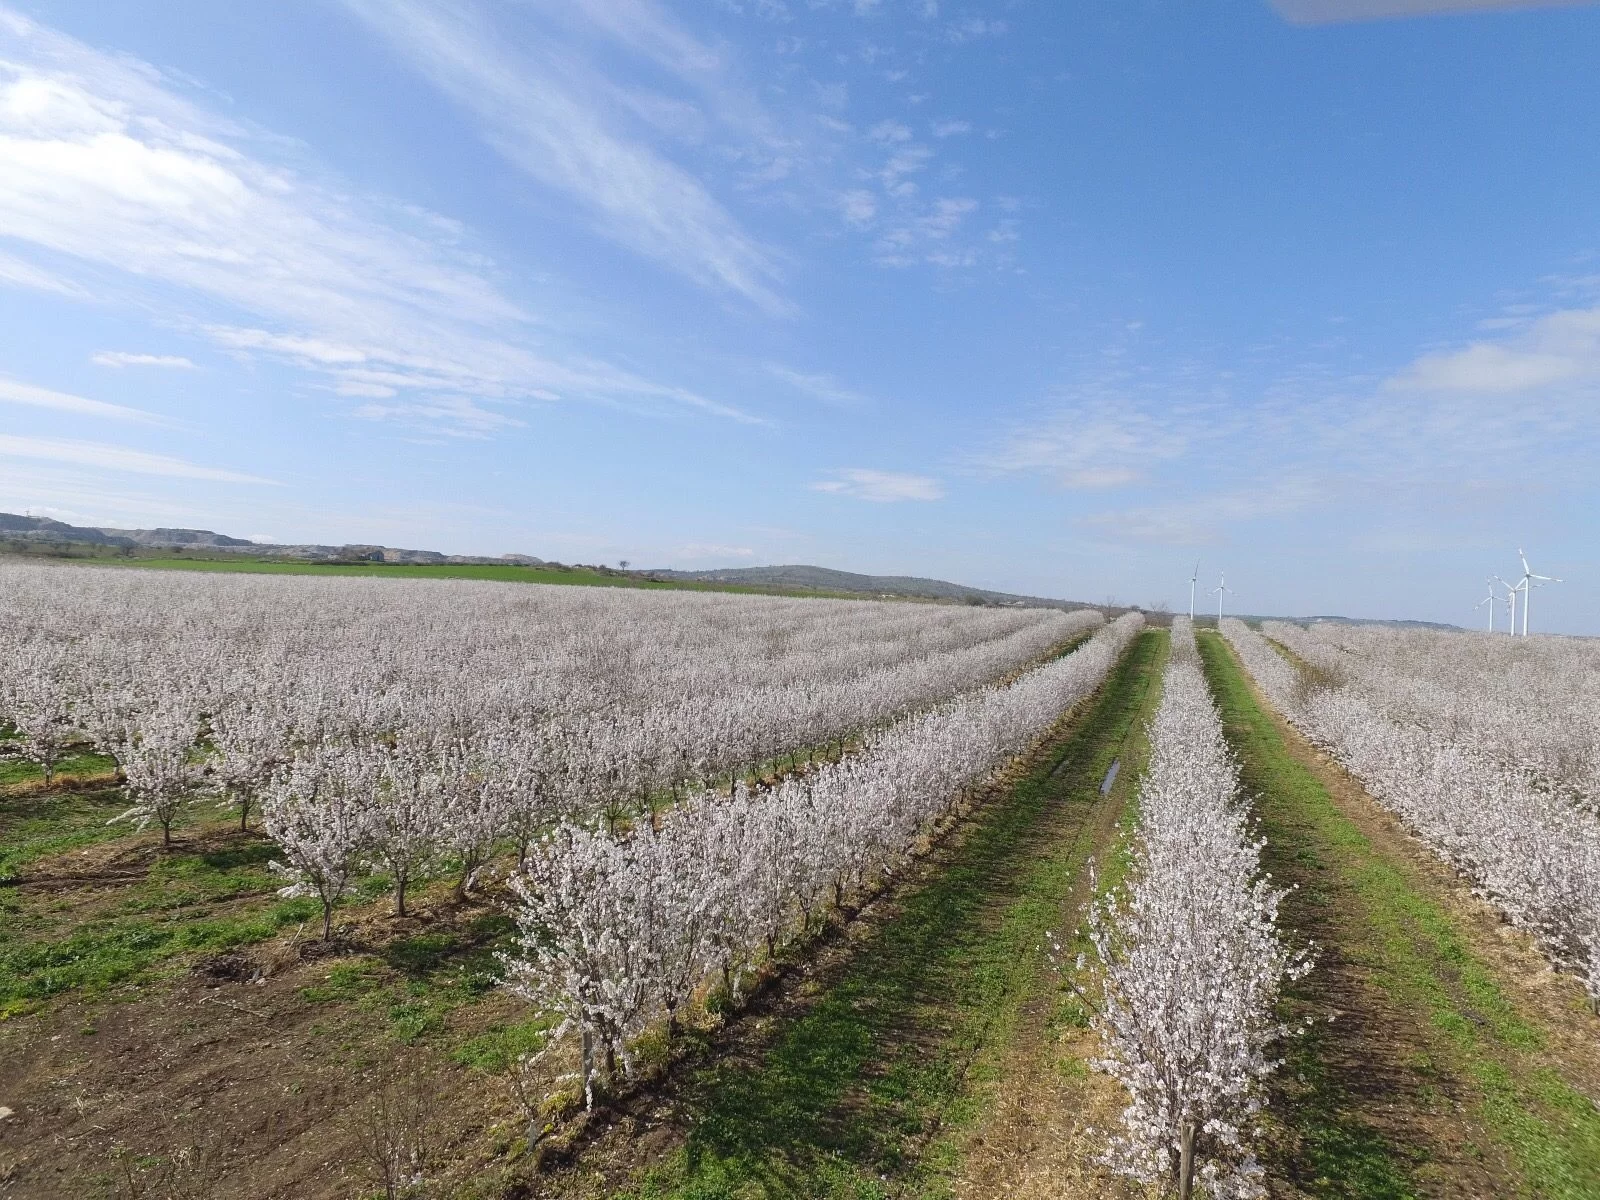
841	1104
1354	897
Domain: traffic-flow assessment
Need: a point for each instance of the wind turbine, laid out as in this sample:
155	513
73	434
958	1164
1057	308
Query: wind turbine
1193	579
1511	602
1527	585
1491	600
1222	589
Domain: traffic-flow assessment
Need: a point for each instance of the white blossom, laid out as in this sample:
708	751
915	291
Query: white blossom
1191	960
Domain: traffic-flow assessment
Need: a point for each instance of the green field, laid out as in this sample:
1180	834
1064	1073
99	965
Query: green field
582	576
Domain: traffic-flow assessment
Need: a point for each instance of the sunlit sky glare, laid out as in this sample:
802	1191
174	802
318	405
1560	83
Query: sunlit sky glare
1053	298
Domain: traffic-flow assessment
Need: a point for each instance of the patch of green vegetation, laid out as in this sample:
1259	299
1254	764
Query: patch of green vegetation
51	943
1413	951
98	955
346	981
1338	1152
37	824
494	1048
416	982
492	572
15	770
1113	865
845	1099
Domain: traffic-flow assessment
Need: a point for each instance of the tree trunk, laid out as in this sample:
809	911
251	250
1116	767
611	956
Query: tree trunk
400	894
166	834
1186	1161
327	921
244	816
587	1068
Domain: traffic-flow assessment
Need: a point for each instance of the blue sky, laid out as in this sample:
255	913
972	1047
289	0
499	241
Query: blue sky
1046	297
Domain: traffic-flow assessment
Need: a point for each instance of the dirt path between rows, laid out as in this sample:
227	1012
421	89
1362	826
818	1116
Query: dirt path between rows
1045	1112
1445	1057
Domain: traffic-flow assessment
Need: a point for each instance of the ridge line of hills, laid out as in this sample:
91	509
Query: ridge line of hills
29	534
40	533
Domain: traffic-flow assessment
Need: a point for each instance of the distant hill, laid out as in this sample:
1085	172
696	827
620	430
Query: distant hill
42	534
1371	621
825	579
44	531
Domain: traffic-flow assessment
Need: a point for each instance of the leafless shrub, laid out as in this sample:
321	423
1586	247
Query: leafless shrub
396	1128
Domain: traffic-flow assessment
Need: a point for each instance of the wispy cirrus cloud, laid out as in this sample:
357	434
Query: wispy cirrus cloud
559	121
116	458
819	386
458	416
120	358
115	185
1205	517
14	391
1096	441
17	272
1323	12
880	487
701	551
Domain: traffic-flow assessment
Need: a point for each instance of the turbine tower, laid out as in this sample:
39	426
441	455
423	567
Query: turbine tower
1491	600
1527	584
1222	589
1193	579
1511	602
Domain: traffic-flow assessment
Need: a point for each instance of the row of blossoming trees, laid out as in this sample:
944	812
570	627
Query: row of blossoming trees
398	723
1190	957
1506	806
619	931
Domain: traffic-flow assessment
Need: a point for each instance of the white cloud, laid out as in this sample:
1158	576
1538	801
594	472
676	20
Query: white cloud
119	358
858	206
458	416
107	172
883	487
14	391
908	160
94	498
543	110
1095	442
1203	519
702	550
1560	348
890	131
973	28
115	458
944	129
818	386
1099	477
1320	12
18	273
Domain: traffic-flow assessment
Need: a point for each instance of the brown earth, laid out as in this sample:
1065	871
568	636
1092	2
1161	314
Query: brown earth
227	1061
